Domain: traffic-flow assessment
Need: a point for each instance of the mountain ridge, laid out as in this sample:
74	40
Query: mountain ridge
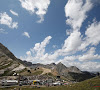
9	64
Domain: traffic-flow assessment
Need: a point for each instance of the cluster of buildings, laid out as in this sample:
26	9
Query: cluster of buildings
40	80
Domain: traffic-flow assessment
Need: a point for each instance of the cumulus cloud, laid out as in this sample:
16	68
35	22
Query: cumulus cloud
84	66
39	48
80	9
70	58
72	42
70	46
68	32
90	55
76	12
28	53
92	35
37	53
26	34
14	13
5	19
39	7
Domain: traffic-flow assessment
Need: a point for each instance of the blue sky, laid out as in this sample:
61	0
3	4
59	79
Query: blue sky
47	31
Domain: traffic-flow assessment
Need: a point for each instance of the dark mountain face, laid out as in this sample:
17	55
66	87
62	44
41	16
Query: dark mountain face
5	50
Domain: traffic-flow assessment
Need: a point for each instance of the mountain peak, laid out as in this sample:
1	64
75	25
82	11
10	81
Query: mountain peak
60	63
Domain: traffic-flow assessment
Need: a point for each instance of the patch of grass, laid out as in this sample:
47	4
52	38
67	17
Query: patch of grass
23	70
37	72
50	74
5	73
80	76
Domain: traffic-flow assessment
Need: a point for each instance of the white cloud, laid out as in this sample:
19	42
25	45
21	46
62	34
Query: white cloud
90	66
37	53
26	34
76	12
84	66
39	7
3	31
92	35
39	48
70	46
72	42
28	53
5	19
90	55
68	32
70	58
14	13
80	9
54	46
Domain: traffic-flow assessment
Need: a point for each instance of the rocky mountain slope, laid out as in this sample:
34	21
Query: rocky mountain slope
8	62
69	73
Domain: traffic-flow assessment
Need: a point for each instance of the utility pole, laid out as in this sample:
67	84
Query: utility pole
19	81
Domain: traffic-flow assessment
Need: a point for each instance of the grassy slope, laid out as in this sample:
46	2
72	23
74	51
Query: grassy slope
33	72
85	85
